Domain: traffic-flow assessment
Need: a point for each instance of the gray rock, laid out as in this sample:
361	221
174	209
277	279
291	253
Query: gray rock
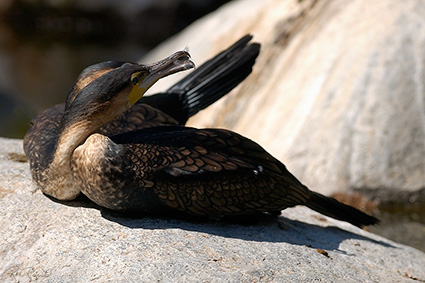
337	93
46	241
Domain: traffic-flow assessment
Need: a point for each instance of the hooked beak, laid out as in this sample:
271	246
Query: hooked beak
177	62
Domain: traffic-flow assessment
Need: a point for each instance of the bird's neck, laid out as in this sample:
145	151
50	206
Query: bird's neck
74	130
60	182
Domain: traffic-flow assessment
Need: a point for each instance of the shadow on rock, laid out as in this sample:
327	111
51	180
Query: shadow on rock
258	228
261	228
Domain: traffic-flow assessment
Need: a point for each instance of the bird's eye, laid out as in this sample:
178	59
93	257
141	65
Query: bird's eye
138	77
135	80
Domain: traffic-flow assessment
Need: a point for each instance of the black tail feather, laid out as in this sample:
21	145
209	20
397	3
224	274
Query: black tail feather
209	82
335	209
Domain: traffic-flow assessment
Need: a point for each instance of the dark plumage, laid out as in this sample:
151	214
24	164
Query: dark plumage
144	161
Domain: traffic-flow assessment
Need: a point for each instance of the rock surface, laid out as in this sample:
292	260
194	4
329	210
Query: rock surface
337	93
46	241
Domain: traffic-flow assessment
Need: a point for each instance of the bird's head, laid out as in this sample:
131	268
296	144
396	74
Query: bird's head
115	90
88	75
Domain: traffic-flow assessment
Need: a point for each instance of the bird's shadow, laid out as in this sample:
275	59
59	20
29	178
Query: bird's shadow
262	228
266	228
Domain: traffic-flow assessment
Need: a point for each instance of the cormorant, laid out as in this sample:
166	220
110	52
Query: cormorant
137	157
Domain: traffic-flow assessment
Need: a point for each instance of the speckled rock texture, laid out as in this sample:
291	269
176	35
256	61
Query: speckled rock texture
43	240
337	92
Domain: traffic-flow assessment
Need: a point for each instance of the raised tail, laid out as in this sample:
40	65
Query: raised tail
335	209
208	83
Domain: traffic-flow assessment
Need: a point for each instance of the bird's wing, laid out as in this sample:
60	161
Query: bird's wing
210	171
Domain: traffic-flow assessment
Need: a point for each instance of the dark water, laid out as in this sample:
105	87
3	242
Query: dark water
402	218
401	227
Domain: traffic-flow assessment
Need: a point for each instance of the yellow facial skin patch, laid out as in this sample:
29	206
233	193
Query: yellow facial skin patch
138	87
